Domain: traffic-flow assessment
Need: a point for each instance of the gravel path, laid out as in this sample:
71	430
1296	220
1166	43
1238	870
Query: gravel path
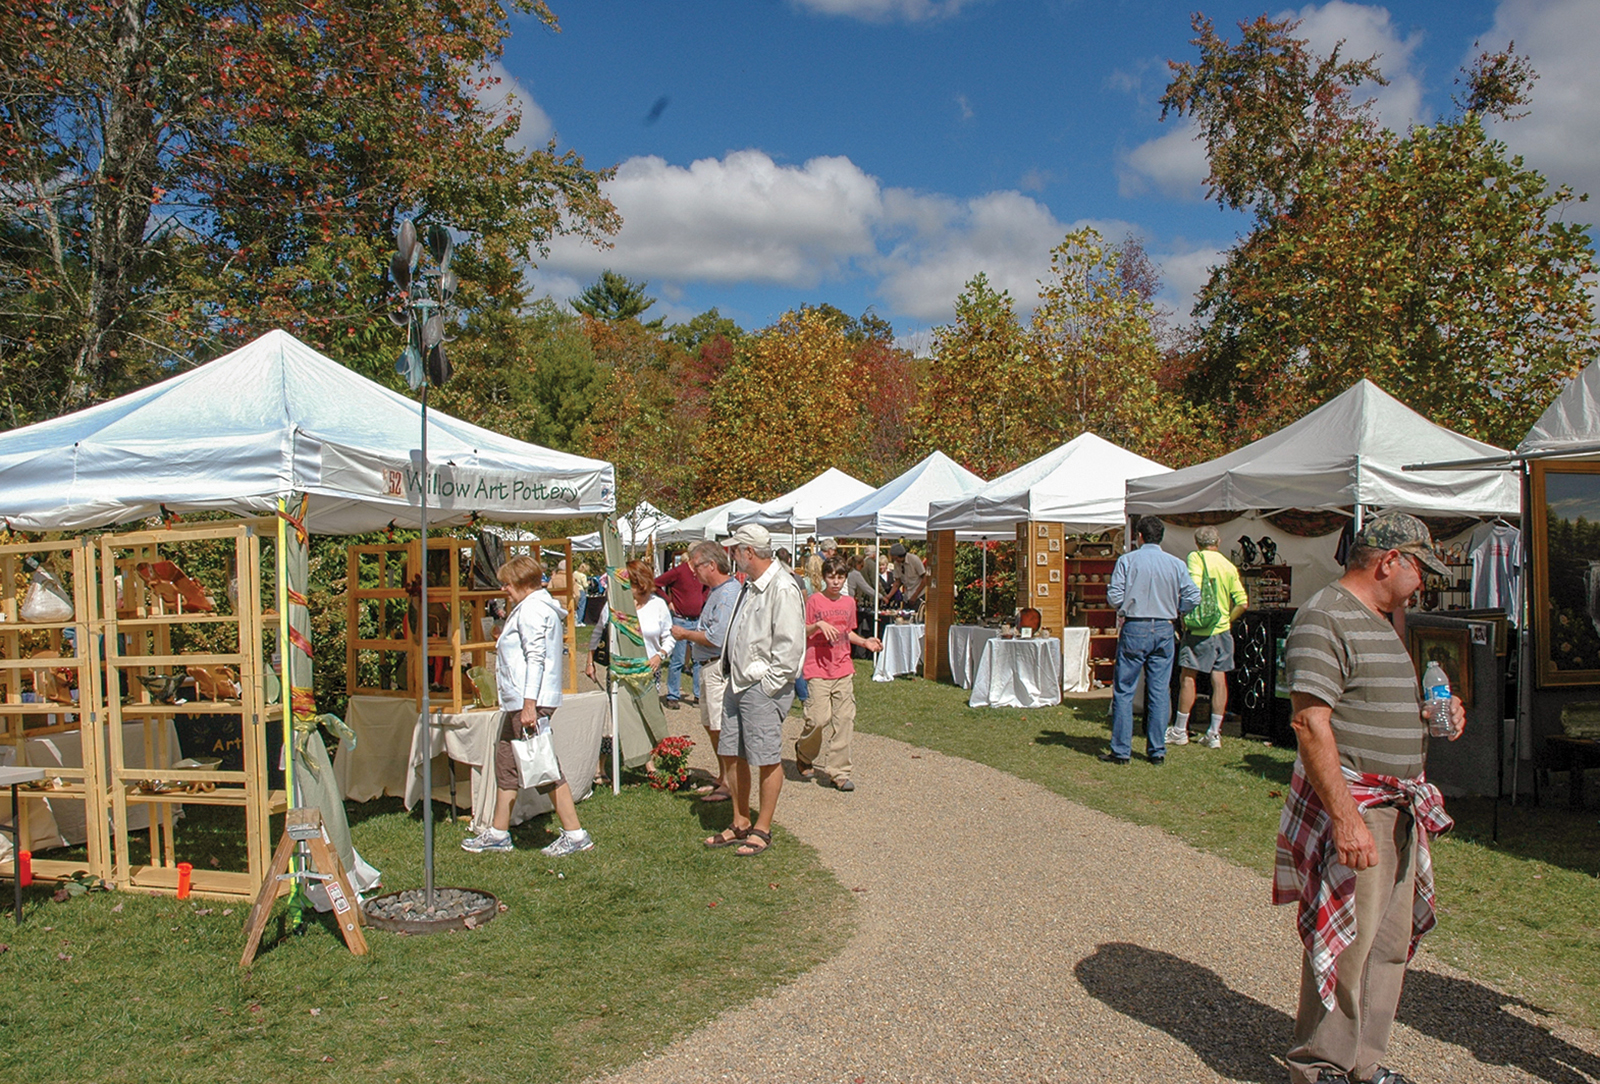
1008	934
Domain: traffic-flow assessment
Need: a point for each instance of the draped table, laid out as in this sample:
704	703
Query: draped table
966	646
61	821
1076	676
469	738
901	654
1018	674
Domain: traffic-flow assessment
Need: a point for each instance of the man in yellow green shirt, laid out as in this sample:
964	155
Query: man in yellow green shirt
1207	645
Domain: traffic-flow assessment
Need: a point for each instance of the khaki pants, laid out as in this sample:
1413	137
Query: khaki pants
1353	1035
830	725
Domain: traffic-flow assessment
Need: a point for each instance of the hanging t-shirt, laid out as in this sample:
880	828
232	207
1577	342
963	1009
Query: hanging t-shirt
823	659
1495	552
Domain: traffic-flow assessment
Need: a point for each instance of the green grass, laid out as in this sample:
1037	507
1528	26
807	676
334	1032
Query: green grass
1523	913
599	959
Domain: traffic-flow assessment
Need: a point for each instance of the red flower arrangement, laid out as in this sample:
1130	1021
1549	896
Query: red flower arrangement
669	765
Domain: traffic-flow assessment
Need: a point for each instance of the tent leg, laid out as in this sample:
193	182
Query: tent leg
984	547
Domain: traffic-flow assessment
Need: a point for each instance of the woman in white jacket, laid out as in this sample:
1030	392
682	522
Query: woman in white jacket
528	669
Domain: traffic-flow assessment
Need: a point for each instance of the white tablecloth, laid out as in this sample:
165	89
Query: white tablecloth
901	654
377	764
61	822
1076	676
966	645
469	738
1018	674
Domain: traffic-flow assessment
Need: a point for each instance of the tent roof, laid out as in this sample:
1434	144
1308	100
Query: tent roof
710	525
634	528
1080	484
900	508
1572	420
796	511
274	417
1348	451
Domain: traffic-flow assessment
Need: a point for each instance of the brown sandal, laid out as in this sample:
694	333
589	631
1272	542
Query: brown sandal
728	837
716	794
750	841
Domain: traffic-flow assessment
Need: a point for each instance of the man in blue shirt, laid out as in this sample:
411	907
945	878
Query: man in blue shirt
1151	589
711	565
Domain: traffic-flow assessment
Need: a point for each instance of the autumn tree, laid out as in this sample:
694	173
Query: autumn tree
789	405
178	176
1433	263
979	380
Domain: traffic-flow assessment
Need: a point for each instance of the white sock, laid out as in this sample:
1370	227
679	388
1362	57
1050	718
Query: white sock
1216	725
576	833
1183	721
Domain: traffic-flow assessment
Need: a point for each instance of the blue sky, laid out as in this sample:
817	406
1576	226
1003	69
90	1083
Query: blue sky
878	153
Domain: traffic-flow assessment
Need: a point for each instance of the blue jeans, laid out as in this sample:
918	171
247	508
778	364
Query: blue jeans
675	661
802	691
1148	647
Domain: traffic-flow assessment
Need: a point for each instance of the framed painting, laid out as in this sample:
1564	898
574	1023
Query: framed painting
1565	528
1450	648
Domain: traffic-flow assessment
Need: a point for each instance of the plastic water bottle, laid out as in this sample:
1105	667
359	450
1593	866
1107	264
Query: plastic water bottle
1436	691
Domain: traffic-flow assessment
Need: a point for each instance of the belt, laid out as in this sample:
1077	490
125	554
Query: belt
1168	620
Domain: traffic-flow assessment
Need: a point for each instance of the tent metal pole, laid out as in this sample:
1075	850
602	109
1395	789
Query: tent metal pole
877	579
427	720
984	547
1525	678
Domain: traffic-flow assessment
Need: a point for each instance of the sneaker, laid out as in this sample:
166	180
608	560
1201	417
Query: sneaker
1176	736
1158	761
1384	1076
844	785
569	843
672	703
1112	758
489	840
1211	741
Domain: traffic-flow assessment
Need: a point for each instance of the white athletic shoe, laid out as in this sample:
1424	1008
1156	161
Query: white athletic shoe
1176	736
567	844
1211	740
489	840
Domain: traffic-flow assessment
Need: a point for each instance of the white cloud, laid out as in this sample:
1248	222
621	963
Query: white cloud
742	218
1173	165
1184	271
508	96
1561	134
878	11
1369	31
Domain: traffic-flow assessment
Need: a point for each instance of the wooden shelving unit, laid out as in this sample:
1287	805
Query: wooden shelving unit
137	632
1087	575
383	655
43	660
1041	577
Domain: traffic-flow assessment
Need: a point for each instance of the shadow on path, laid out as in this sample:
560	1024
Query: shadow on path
1232	1033
1475	1018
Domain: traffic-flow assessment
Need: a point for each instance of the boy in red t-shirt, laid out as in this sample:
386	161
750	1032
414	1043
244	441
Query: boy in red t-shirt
831	707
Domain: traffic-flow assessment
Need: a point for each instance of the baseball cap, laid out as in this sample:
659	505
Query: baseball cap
751	534
1399	531
897	550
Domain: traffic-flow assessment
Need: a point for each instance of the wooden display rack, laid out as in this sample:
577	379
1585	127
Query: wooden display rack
1088	572
24	647
378	602
133	636
1040	573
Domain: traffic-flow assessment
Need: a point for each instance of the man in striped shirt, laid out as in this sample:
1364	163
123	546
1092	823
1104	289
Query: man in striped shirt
1353	843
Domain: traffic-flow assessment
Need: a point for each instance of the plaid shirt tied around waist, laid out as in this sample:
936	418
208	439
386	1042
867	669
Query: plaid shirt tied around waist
1308	870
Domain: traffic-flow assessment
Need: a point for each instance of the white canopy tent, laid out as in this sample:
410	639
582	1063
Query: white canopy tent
276	417
636	528
900	508
1346	454
796	512
1571	424
710	525
1081	484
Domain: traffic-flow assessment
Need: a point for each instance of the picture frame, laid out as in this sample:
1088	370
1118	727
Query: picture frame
1055	575
1041	558
1044	530
1055	545
1482	634
1564	522
1498	623
1451	648
1044	589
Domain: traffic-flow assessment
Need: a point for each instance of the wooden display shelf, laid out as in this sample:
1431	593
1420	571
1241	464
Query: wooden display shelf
276	802
214	884
131	712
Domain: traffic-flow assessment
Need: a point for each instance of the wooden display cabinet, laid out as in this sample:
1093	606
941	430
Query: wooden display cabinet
143	628
1088	574
46	678
382	655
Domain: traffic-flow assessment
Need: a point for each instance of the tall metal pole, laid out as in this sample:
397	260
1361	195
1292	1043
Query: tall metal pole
427	719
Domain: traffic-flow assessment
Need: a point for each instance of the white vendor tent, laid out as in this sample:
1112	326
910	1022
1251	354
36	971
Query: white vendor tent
271	418
710	525
1348	451
900	508
796	512
636	528
1081	484
1571	424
